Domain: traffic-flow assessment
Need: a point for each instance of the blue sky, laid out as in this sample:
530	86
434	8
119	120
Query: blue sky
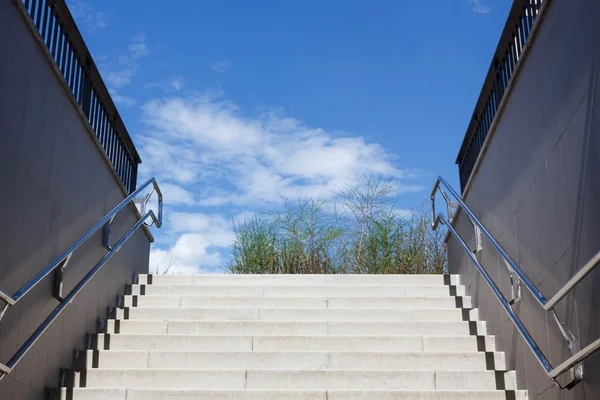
234	104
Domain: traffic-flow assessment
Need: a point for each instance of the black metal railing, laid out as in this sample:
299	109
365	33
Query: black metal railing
64	42
517	30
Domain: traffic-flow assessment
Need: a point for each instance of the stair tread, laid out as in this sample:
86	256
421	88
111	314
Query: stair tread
294	337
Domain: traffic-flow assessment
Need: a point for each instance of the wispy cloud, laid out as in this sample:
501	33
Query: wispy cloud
121	77
479	7
138	47
172	84
87	15
208	154
119	71
122	100
221	66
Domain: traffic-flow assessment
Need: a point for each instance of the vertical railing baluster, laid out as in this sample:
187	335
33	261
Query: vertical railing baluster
97	112
86	92
72	71
80	84
117	154
128	173
104	134
106	129
119	160
109	143
113	147
93	110
60	44
122	163
38	16
65	51
68	66
43	18
133	177
54	37
103	121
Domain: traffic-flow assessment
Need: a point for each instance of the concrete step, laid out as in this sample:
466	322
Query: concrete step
338	290
295	314
298	379
301	279
173	394
431	328
172	342
351	343
292	360
290	342
171	301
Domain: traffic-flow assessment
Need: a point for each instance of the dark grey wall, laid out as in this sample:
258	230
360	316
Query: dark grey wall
538	192
54	185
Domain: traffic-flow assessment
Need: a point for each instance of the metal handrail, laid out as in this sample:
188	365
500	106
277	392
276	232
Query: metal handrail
520	327
63	259
575	360
513	265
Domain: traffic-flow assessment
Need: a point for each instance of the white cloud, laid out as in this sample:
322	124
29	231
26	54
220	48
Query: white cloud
206	153
221	66
122	100
189	255
123	68
260	159
120	78
200	241
217	231
87	16
176	194
479	7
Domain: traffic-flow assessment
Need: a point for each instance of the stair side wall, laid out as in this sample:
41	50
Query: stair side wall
55	185
537	192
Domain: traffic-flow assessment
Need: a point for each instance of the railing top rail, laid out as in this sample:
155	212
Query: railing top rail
62	256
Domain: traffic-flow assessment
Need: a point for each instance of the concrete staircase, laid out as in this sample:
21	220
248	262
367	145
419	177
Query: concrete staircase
292	337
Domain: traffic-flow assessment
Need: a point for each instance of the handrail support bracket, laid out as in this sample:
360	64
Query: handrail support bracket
576	372
107	231
515	286
59	274
4	308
